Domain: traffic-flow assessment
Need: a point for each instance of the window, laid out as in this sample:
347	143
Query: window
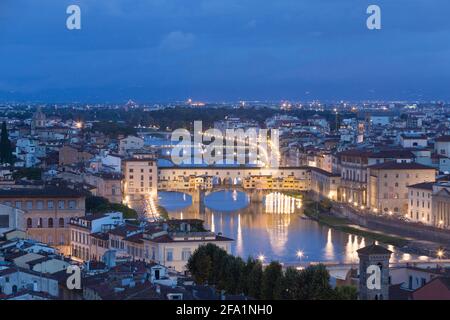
61	204
50	204
18	204
61	222
40	205
169	256
185	254
29	205
29	223
4	221
72	204
50	222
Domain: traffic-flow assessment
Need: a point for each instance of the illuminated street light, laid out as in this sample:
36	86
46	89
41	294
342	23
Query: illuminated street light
440	253
300	254
261	258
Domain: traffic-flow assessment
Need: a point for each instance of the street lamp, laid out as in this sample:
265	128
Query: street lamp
440	253
261	258
300	254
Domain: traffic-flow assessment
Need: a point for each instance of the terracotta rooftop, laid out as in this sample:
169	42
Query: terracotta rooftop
393	165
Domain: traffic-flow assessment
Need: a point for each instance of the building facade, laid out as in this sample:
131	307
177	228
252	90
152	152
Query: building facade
140	180
420	203
388	186
47	211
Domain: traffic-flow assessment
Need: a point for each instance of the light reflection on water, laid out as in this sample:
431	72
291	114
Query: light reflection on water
273	228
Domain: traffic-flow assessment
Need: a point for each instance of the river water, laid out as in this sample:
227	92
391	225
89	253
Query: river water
274	229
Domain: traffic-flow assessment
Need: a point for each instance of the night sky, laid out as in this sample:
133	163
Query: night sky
224	50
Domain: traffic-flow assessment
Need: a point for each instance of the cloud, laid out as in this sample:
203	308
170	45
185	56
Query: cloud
177	41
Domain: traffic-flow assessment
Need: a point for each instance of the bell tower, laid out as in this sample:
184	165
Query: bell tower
374	272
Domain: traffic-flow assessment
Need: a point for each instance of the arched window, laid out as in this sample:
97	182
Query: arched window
50	222
29	223
61	222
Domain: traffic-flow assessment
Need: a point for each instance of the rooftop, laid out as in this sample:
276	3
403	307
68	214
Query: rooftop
393	165
41	192
373	249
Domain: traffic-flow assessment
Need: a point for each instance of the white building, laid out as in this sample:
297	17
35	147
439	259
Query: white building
413	140
420	203
11	219
81	229
130	144
14	280
442	145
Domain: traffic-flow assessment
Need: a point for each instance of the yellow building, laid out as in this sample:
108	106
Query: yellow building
388	185
325	184
47	211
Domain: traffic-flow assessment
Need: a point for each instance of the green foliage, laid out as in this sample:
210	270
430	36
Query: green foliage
28	173
199	265
271	287
163	213
6	155
314	284
345	293
97	205
325	205
212	265
253	275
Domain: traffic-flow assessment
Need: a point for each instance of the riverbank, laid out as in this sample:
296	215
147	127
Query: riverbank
325	213
314	212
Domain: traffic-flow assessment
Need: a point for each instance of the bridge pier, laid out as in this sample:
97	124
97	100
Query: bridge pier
198	200
257	195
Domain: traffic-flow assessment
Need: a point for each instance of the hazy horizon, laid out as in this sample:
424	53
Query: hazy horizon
223	50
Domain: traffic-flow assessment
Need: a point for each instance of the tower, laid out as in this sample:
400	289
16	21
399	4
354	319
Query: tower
374	272
38	120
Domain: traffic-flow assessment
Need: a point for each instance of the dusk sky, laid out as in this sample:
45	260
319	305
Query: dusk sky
223	50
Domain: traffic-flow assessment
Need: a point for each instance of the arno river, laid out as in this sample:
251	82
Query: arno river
274	228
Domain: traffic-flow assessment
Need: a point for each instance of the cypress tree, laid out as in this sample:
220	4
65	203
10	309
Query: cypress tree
5	146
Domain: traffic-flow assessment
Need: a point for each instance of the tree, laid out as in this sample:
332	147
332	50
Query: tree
254	279
234	267
314	284
28	173
6	155
271	286
345	293
326	205
290	283
163	213
199	265
96	204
